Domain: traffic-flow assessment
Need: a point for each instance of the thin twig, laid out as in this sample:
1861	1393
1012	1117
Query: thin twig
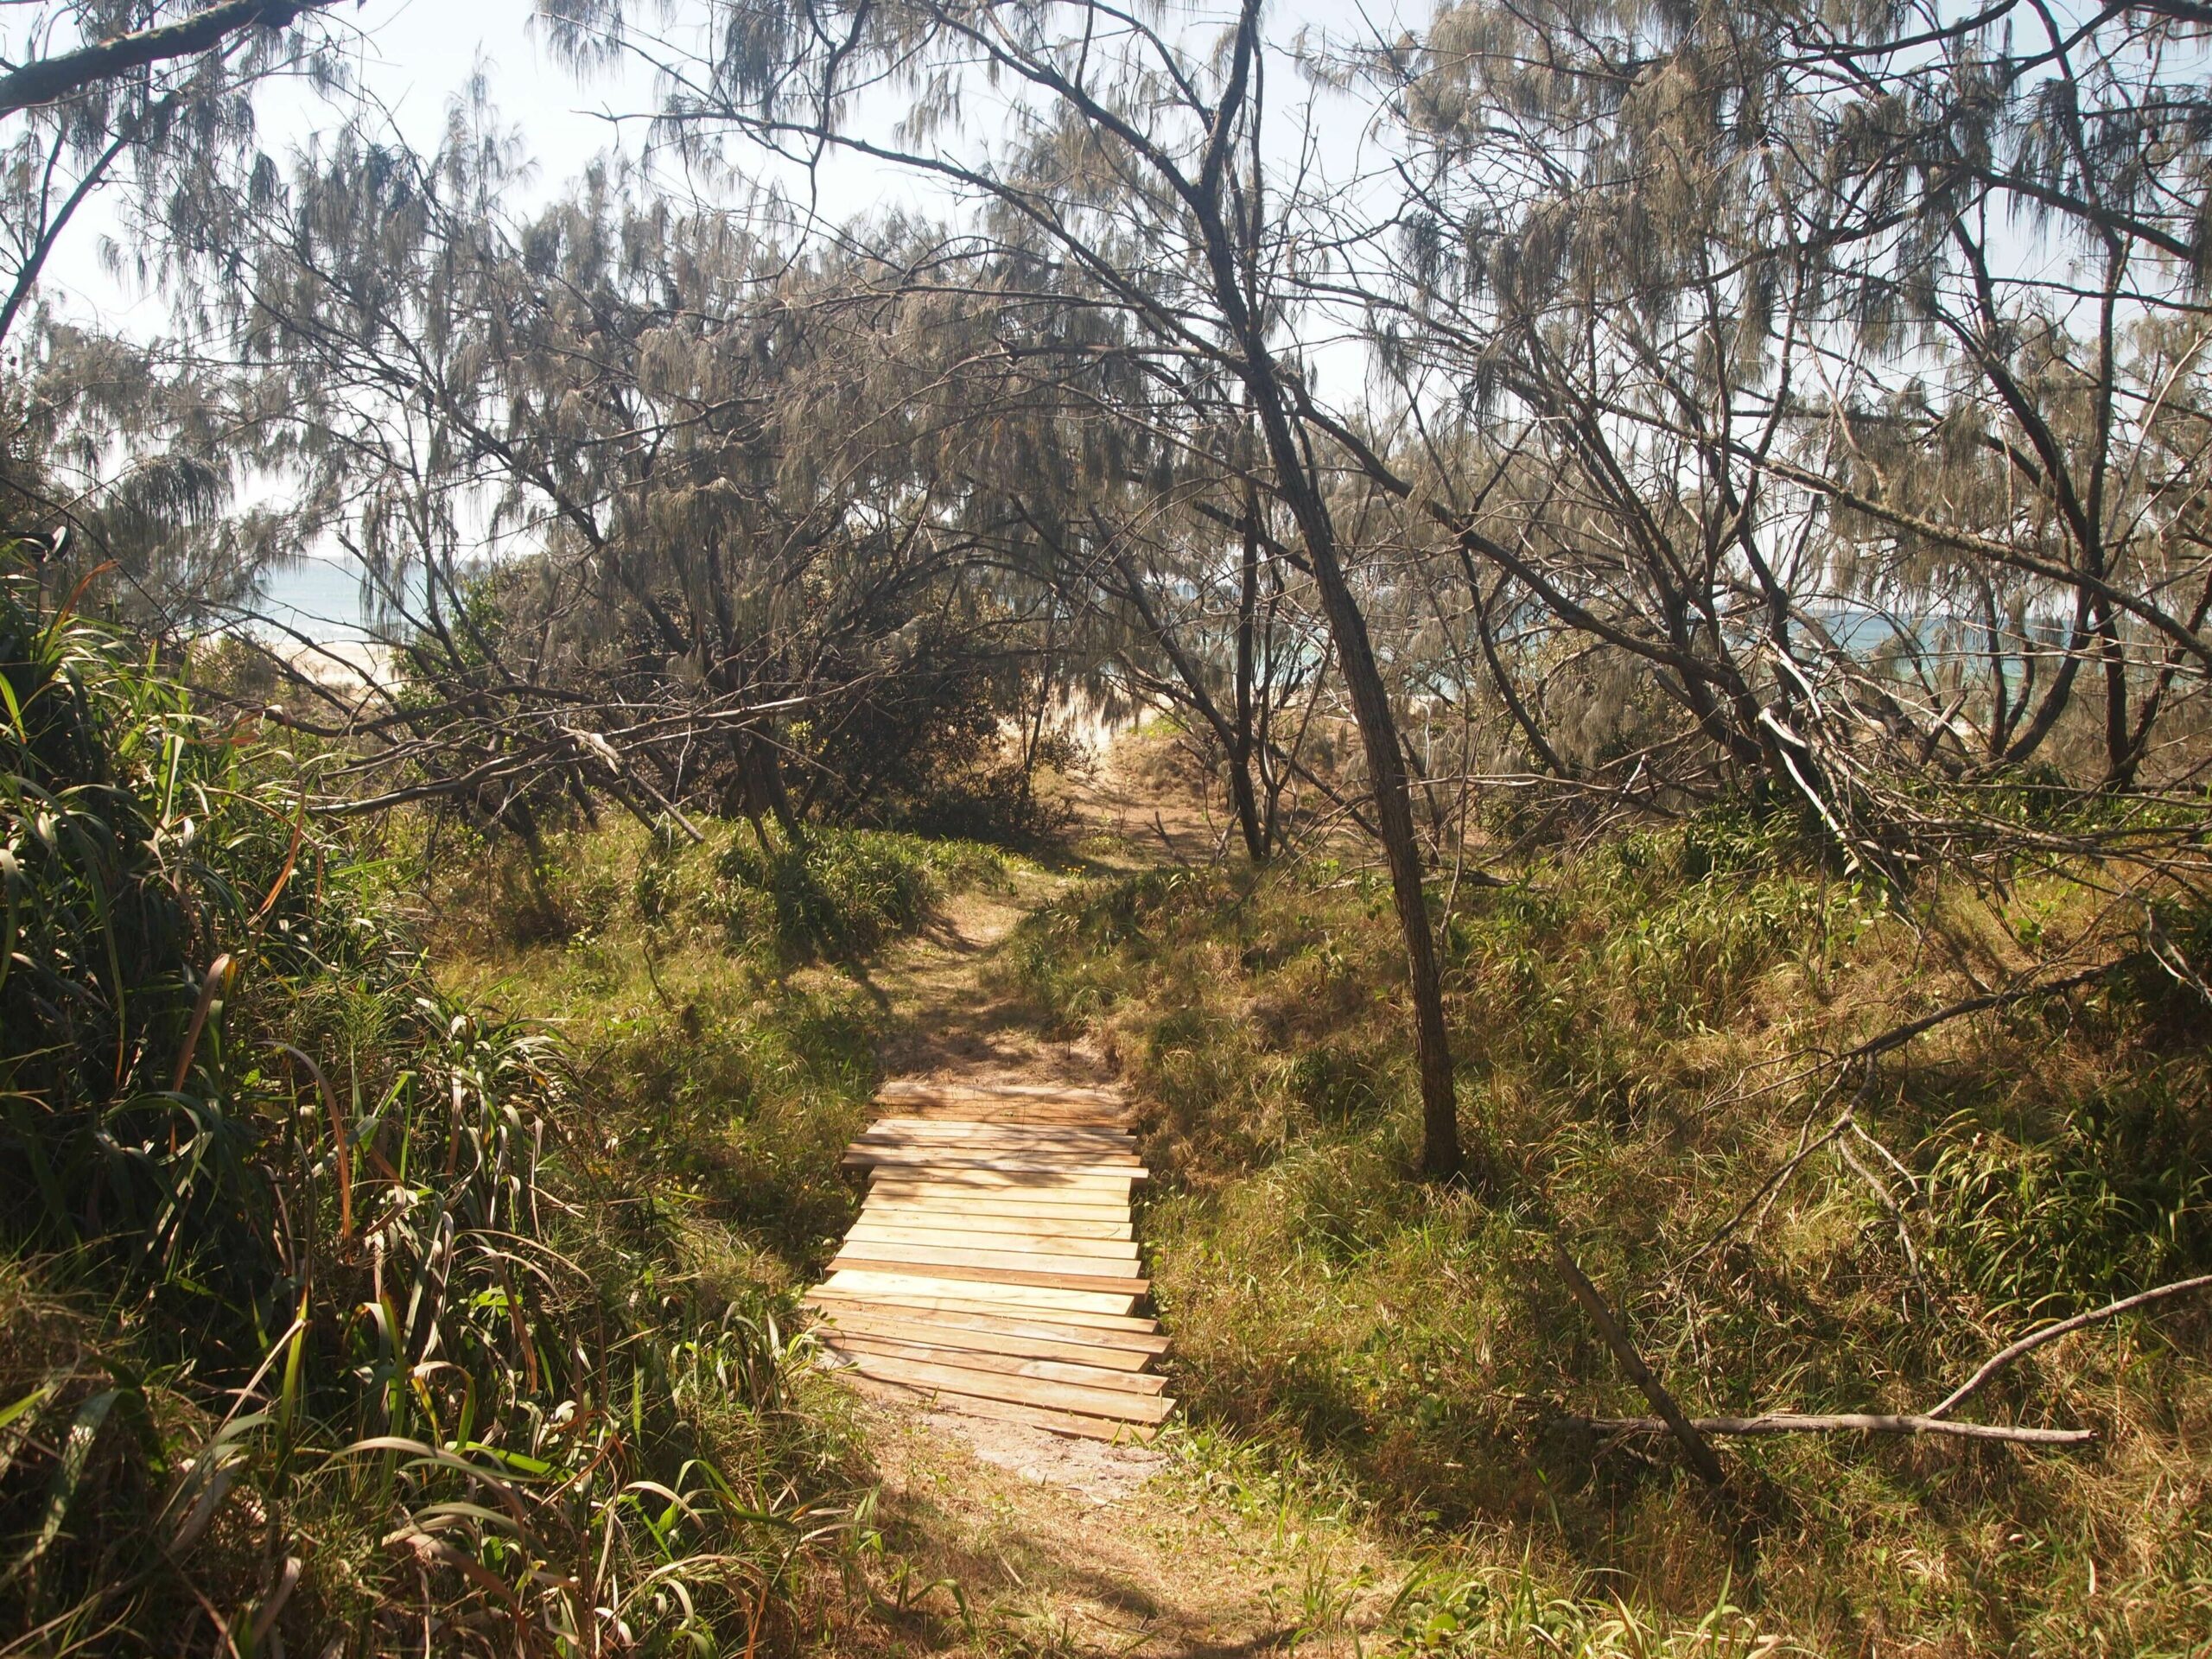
2036	1339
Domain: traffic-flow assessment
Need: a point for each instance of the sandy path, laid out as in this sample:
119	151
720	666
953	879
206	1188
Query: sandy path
1059	1546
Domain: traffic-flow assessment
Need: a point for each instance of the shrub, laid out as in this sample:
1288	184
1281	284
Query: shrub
312	1326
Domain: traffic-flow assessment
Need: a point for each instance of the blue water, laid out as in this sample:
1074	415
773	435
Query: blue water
317	595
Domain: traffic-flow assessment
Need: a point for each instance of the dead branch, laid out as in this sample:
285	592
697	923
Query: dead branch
1671	1417
1935	1420
1790	1422
2036	1339
1898	1036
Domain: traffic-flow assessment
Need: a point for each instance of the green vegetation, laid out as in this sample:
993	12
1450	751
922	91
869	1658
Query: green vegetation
721	1060
1644	1026
340	1309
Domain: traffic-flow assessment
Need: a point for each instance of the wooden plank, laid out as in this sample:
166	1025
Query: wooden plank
957	1185
962	1133
1059	1422
968	1176
1079	1206
949	1234
952	1128
964	1217
1008	1267
960	1208
1120	1328
1036	1175
957	1330
1028	1278
902	1088
1025	1115
1018	1390
922	1281
968	1153
954	1236
1018	1116
1019	1142
866	1157
1044	1370
1089	1428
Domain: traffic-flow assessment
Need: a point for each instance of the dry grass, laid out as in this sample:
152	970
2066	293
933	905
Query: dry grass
1627	1023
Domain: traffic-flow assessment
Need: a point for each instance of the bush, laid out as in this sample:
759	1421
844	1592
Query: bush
314	1323
1639	1027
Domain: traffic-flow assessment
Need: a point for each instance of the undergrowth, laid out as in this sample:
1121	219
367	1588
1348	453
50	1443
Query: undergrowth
1641	1030
725	1063
339	1314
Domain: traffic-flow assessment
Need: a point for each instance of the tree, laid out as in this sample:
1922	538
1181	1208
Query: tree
156	103
1140	165
1843	372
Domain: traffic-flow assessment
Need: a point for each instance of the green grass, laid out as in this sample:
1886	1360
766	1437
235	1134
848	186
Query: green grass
337	1306
726	1051
1625	1022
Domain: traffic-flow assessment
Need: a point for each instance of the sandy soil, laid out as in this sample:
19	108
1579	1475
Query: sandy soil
1069	1548
1056	1545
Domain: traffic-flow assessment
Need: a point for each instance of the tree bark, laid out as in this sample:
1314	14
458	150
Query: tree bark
44	80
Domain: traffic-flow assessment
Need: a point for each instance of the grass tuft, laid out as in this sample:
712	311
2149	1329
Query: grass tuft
1639	1028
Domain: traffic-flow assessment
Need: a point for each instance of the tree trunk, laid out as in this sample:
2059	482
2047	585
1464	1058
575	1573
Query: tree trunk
1240	756
1442	1158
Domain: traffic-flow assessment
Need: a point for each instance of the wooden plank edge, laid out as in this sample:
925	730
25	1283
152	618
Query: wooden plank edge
1073	1318
1017	1390
925	1330
1117	1274
1014	1277
1039	1368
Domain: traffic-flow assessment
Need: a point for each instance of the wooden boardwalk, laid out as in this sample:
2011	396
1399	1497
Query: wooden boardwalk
992	1266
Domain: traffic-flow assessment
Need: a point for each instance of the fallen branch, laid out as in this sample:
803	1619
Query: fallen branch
1935	1420
2035	1340
1791	1422
1898	1036
1670	1416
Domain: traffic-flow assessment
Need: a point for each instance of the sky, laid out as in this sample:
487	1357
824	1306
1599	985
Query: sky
415	57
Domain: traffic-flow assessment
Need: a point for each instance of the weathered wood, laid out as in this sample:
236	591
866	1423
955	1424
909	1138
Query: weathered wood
1020	1115
1098	1149
1060	1223
1048	1262
1044	1207
922	1281
1055	1142
1076	1195
1020	1390
1059	1422
923	1186
967	1152
1052	1177
1037	1278
1044	1370
964	1216
863	1158
1071	1186
949	1330
993	1262
909	1088
890	1231
1093	1325
942	1128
